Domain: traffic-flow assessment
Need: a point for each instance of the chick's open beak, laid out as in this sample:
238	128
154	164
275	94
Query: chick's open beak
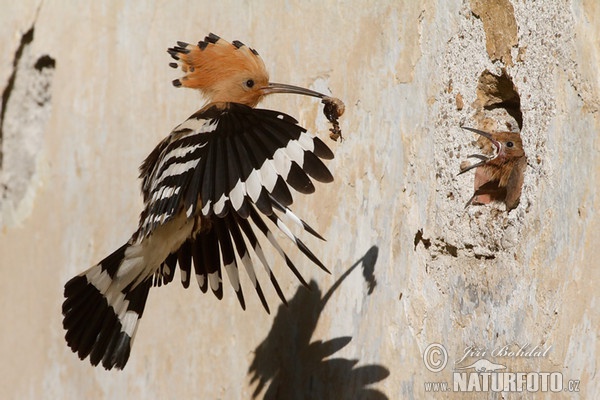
483	159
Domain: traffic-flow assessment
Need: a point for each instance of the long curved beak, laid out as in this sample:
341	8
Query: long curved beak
485	135
284	88
482	133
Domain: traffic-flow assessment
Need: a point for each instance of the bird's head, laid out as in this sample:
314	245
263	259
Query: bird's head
508	145
227	72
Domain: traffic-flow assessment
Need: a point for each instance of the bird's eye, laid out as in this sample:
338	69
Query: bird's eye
249	83
509	144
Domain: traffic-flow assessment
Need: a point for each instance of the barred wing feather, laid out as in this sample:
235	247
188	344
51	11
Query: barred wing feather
231	164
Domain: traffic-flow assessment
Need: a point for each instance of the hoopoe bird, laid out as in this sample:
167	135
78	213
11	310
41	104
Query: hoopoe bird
208	188
500	176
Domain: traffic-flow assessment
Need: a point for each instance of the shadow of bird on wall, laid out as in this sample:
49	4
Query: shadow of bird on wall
296	368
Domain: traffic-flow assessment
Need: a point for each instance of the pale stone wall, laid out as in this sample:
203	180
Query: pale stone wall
87	95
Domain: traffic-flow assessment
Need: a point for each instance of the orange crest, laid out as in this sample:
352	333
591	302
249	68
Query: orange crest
215	66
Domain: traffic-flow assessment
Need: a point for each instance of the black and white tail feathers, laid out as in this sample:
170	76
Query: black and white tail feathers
213	192
100	319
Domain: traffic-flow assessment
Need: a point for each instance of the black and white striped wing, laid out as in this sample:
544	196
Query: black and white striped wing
225	158
253	156
233	165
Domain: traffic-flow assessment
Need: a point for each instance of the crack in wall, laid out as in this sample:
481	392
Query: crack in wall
440	247
26	39
26	108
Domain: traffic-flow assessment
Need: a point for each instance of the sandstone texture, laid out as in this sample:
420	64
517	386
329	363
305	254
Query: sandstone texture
86	95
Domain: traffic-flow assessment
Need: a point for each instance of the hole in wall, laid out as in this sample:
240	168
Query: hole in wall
500	174
498	92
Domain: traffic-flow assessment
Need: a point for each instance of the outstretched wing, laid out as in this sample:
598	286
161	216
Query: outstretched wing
226	157
232	165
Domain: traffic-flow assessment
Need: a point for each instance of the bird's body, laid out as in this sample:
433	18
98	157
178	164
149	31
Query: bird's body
206	188
500	177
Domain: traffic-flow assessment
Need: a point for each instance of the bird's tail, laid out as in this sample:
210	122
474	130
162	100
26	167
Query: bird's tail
101	312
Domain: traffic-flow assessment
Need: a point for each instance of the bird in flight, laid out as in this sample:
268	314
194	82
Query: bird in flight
209	189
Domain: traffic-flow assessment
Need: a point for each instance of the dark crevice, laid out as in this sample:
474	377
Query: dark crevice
420	239
440	246
452	250
44	61
26	39
499	91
